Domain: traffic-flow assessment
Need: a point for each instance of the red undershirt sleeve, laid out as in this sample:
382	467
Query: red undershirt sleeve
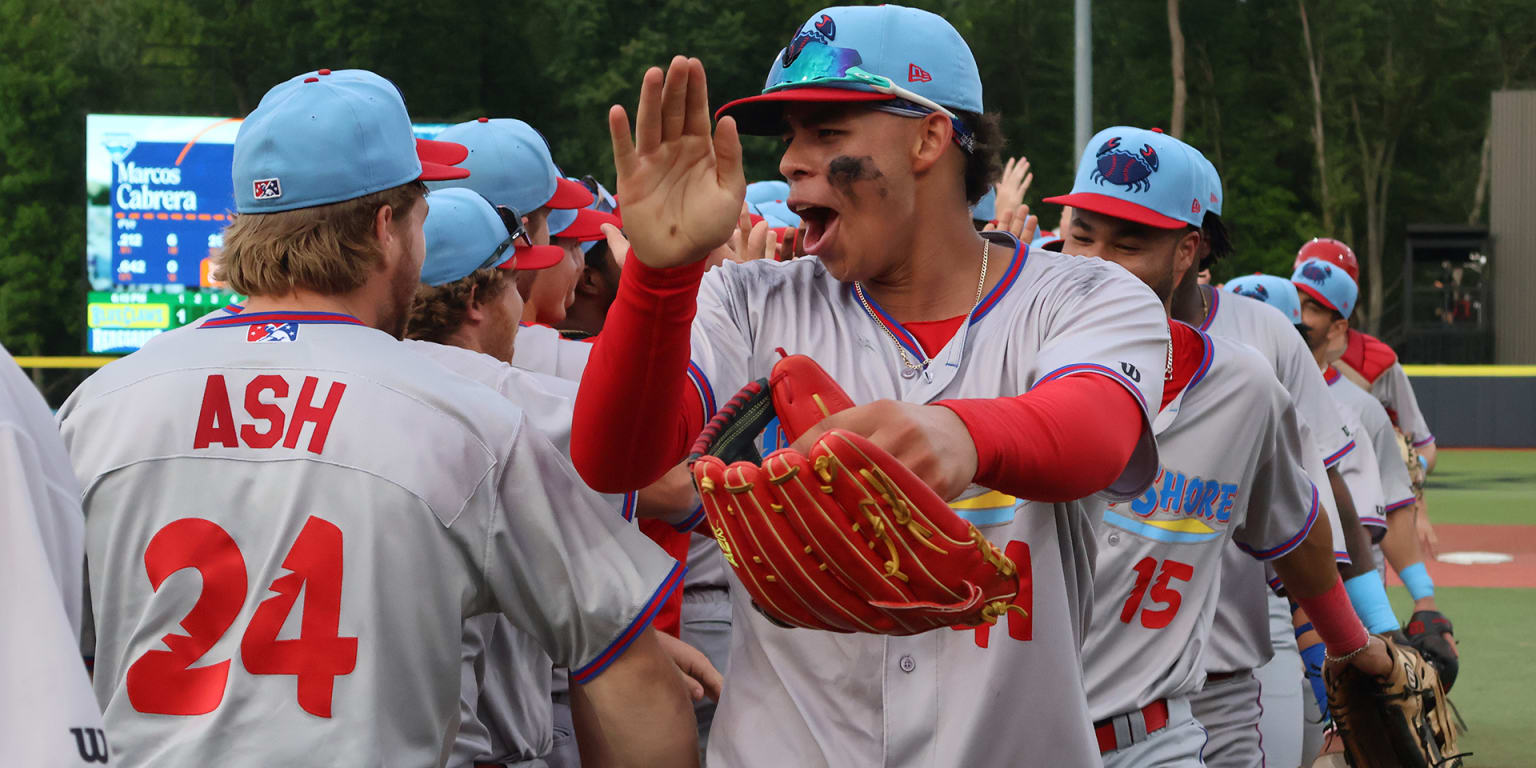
1066	439
636	414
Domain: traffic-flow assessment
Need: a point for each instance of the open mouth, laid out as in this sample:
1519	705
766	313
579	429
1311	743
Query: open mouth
820	225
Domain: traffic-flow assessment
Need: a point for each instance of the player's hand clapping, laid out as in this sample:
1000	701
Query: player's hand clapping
1016	221
682	188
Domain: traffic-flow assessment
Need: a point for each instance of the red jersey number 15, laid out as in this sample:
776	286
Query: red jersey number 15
164	682
1170	599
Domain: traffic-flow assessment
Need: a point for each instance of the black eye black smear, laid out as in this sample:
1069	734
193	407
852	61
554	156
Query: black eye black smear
843	171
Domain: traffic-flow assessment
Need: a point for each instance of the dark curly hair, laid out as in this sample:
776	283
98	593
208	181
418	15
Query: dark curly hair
984	164
438	310
1215	233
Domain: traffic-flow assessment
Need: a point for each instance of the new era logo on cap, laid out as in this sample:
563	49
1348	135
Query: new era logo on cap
266	189
915	74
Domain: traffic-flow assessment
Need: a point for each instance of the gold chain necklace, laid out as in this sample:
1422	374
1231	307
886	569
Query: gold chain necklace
910	367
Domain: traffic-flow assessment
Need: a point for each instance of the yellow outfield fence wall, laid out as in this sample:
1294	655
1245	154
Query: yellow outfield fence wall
1470	371
82	361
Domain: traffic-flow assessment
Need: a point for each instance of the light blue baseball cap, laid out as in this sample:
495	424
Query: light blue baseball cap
510	164
883	53
465	233
1044	238
1328	284
323	137
1139	175
1211	195
767	191
778	214
985	209
1273	290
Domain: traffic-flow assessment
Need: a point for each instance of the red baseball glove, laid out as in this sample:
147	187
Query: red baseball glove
844	538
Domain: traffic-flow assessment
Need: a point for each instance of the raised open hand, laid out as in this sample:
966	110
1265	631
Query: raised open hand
681	187
1012	185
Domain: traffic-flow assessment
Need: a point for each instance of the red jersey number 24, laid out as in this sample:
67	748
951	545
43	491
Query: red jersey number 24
164	682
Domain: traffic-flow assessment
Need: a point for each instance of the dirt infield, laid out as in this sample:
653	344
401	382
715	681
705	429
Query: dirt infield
1518	541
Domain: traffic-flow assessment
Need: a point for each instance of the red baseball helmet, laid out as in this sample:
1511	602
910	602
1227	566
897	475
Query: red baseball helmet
1332	251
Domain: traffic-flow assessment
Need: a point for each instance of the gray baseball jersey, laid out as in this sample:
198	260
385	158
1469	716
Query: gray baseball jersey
1240	632
1264	328
541	348
1383	472
47	713
361	487
1007	692
1159	562
504	698
1395	392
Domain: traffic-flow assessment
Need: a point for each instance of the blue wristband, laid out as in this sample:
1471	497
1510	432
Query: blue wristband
1312	658
1423	462
1369	597
1417	579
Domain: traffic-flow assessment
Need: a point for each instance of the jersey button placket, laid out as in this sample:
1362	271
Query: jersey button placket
912	698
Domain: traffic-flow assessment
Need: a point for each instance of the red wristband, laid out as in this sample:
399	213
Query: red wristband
1334	618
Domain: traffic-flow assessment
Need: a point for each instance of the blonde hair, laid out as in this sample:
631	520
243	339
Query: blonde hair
439	310
328	249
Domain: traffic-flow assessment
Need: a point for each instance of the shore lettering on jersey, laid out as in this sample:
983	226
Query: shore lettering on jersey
270	419
1177	508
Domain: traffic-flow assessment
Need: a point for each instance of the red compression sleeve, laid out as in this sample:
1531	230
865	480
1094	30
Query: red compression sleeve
1334	618
635	413
1064	440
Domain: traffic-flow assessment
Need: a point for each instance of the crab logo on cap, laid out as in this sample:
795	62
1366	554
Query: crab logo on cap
1126	169
267	189
822	31
1255	291
1316	273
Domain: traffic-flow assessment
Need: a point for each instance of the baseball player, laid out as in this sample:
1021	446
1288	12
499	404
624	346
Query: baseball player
1370	363
1253	674
465	317
1160	557
957	345
290	584
47	713
1327	296
511	166
1321	290
599	280
1316	298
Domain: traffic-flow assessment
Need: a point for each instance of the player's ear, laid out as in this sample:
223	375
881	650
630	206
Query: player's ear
383	225
1187	250
592	282
932	137
474	311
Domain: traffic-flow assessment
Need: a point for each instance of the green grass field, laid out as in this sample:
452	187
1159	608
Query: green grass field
1483	488
1495	627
